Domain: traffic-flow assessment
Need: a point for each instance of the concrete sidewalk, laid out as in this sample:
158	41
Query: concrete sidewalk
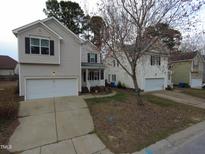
181	98
188	141
56	126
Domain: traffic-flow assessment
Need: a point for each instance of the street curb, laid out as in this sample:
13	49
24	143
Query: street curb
172	142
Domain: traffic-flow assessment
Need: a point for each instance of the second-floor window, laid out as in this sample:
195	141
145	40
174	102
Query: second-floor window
41	46
92	58
155	60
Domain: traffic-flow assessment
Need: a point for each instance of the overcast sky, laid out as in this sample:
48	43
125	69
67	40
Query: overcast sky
16	13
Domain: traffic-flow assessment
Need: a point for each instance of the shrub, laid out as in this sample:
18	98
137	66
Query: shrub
99	89
8	103
119	85
169	87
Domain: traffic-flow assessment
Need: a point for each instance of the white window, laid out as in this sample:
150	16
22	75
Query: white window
93	75
114	78
39	46
93	57
109	77
113	63
155	60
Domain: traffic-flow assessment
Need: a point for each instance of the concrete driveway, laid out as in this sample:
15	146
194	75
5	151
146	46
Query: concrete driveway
56	126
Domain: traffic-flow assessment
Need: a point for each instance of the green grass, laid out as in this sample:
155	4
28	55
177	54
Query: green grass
158	100
118	97
195	92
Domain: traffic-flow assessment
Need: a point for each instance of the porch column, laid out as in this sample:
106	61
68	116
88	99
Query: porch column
86	77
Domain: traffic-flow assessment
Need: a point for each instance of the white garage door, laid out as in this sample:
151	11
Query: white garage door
153	84
196	83
45	88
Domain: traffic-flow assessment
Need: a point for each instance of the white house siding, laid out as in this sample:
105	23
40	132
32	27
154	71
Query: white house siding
144	71
88	48
69	66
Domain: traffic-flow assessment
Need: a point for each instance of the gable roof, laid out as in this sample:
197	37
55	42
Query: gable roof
17	30
182	56
7	62
62	25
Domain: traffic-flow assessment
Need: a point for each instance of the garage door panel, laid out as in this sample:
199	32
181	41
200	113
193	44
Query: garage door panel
152	84
62	89
45	88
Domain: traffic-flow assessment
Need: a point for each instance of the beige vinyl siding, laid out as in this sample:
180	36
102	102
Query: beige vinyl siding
69	56
181	72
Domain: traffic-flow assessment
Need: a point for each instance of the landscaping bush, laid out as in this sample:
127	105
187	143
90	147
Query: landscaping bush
8	103
100	89
121	85
85	90
169	87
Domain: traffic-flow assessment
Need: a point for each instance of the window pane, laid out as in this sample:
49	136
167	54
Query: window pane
44	43
35	42
44	50
35	50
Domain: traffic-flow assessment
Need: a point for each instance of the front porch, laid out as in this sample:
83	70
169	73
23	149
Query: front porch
92	75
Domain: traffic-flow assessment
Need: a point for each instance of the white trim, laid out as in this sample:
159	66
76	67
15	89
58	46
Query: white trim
50	18
17	30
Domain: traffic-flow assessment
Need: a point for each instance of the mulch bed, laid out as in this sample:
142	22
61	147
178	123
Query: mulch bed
126	127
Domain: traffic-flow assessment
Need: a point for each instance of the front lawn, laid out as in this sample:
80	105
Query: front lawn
8	111
125	127
194	92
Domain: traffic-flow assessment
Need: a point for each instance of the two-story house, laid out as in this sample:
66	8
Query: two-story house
151	70
91	66
186	67
50	60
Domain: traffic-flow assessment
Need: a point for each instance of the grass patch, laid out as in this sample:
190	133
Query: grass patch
159	101
195	92
125	127
117	97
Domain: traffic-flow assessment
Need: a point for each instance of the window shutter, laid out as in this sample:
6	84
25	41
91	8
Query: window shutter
151	60
27	45
88	57
51	47
102	74
96	58
159	60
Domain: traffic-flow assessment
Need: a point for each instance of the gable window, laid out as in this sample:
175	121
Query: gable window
155	60
113	63
92	58
41	46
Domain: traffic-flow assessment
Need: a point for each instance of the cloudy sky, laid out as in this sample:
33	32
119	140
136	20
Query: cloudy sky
16	13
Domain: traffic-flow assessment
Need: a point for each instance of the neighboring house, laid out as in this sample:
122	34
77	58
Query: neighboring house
152	71
186	67
92	67
50	60
7	66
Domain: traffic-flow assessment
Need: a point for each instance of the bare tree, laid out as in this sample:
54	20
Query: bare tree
127	22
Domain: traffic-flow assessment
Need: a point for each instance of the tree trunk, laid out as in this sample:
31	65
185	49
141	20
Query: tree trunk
137	90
